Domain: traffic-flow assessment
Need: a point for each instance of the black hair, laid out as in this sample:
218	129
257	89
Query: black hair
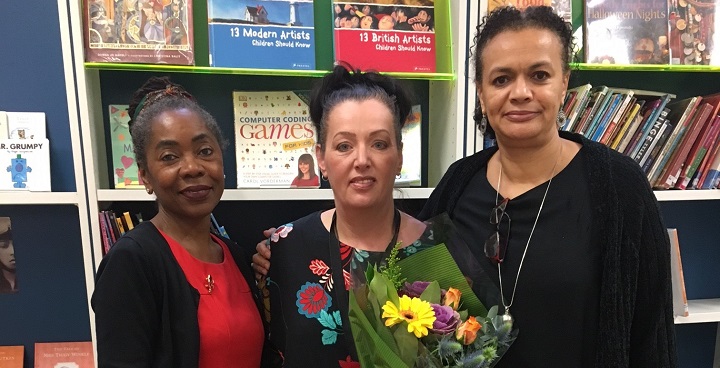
346	84
509	18
156	96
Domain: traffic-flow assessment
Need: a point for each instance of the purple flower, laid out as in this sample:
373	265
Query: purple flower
415	289
446	319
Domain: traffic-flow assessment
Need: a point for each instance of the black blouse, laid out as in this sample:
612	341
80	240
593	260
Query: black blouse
558	289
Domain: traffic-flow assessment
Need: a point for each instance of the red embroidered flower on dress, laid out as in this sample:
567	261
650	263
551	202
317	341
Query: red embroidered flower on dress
311	299
318	267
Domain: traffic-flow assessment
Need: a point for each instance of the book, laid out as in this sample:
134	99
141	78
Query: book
692	32
411	173
659	143
124	167
26	164
4	126
656	131
131	31
8	278
274	140
626	32
262	34
698	151
11	356
702	170
563	8
680	303
712	175
64	355
385	36
26	125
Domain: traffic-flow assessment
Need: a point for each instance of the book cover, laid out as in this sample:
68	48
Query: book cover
626	32
26	163
692	32
11	356
139	31
385	36
680	303
702	170
668	127
411	173
262	34
64	355
563	8
8	268
3	126
274	140
124	167
26	125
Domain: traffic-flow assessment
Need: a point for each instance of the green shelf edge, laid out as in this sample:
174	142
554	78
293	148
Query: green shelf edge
646	68
267	72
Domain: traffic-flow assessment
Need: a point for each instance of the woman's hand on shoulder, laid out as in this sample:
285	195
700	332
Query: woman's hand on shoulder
261	259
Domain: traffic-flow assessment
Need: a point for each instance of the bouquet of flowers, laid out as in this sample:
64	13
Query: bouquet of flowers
421	311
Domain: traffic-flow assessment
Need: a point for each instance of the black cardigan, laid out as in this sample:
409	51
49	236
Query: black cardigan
636	318
146	310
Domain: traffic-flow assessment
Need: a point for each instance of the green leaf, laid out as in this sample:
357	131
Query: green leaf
370	274
463	314
326	319
492	312
431	293
384	290
407	344
329	337
338	319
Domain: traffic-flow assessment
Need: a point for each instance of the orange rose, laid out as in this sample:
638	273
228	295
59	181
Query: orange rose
467	332
452	298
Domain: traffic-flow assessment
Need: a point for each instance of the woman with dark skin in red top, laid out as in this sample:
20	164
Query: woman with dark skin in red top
169	293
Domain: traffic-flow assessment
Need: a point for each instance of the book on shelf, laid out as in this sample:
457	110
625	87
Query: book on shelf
131	31
651	140
26	125
26	163
705	165
262	34
700	148
8	278
4	131
681	112
563	8
626	32
654	150
124	167
385	36
12	356
711	178
692	32
680	303
64	355
411	173
274	140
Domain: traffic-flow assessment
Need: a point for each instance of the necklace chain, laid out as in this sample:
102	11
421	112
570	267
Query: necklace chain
502	294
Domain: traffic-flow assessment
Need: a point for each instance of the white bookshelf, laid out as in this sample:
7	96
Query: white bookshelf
701	311
38	198
115	195
688	195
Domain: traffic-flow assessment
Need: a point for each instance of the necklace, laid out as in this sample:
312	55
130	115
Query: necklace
507	317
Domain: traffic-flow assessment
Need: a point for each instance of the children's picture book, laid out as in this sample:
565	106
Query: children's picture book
692	32
139	31
8	279
411	173
263	34
64	355
11	356
124	167
26	125
626	32
274	140
563	8
26	164
385	36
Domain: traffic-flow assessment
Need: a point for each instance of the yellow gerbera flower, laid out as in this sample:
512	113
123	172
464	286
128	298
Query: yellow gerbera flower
418	314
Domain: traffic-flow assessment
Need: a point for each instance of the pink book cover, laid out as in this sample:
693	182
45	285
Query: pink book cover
64	355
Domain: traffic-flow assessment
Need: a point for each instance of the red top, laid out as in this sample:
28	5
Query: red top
314	182
231	331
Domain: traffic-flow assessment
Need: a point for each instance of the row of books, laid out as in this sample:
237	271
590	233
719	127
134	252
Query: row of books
274	143
113	226
50	355
24	152
677	143
266	34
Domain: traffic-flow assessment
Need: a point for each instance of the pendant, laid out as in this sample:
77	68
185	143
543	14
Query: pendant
507	317
209	284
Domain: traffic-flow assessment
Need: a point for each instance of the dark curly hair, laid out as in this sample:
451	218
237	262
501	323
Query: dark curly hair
347	84
512	19
158	95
